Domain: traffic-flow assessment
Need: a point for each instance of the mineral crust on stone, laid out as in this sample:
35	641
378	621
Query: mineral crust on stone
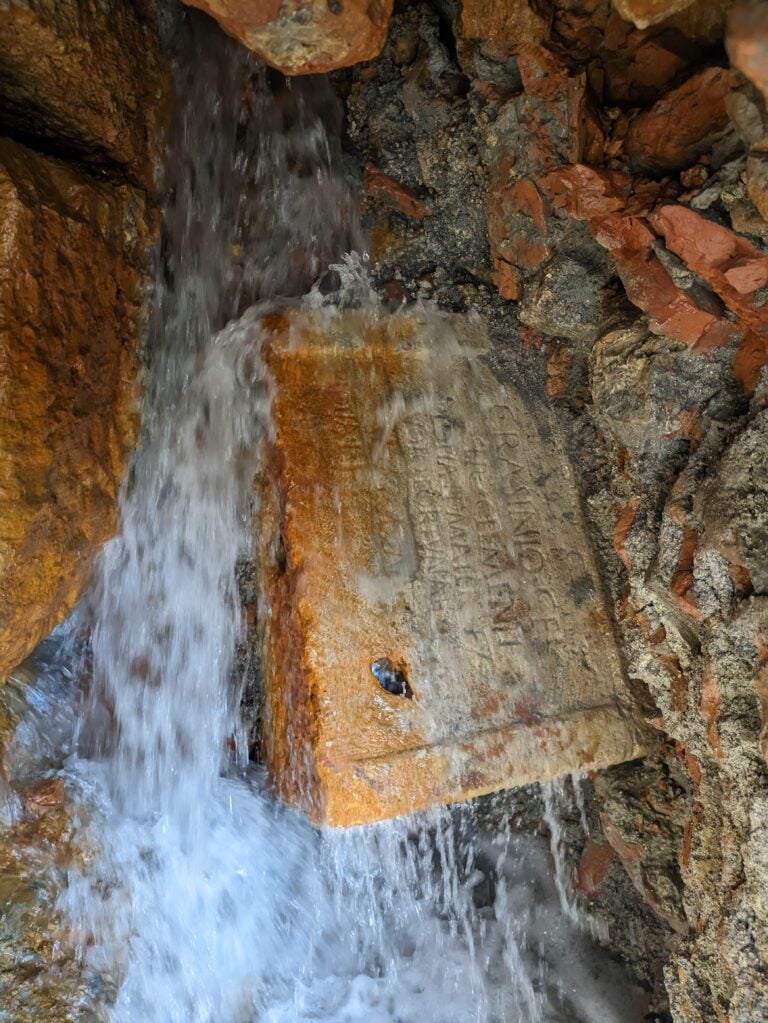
416	513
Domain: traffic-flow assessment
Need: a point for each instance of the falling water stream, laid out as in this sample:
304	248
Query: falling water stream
196	898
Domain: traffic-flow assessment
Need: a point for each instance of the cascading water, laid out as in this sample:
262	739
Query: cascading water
196	898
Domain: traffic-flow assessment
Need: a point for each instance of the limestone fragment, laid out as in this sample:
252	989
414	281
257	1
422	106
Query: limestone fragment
412	515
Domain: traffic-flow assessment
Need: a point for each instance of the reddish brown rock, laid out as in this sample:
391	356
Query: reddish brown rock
507	279
503	26
711	700
518	222
648	285
71	259
683	125
621	531
84	76
682	577
747	41
610	203
558	368
638	77
593	867
302	37
382	188
586	193
750	360
517	233
672	311
648	12
438	535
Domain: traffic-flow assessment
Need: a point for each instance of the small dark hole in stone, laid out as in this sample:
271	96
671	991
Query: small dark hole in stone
281	557
391	678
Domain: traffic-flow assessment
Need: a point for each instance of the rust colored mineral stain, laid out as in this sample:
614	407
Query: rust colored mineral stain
71	277
415	511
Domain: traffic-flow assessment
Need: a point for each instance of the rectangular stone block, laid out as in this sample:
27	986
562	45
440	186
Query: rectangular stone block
421	532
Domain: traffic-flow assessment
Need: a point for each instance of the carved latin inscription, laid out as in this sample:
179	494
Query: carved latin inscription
431	518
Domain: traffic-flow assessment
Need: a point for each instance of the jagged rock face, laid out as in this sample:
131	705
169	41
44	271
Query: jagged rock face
72	256
302	37
621	261
83	77
648	12
81	85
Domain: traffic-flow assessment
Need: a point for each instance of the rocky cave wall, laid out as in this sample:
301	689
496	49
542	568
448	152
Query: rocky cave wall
593	180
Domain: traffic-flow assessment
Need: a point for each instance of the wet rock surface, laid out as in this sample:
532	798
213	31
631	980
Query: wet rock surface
620	266
83	79
40	977
590	178
413	506
301	37
82	95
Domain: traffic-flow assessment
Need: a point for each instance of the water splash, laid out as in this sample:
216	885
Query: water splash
560	797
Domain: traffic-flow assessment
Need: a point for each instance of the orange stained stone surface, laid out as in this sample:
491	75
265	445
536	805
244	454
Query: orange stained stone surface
415	509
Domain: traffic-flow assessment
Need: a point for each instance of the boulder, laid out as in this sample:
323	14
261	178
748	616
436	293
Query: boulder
747	42
648	12
302	37
84	77
683	125
72	258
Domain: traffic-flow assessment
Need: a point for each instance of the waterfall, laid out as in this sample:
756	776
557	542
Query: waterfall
197	899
